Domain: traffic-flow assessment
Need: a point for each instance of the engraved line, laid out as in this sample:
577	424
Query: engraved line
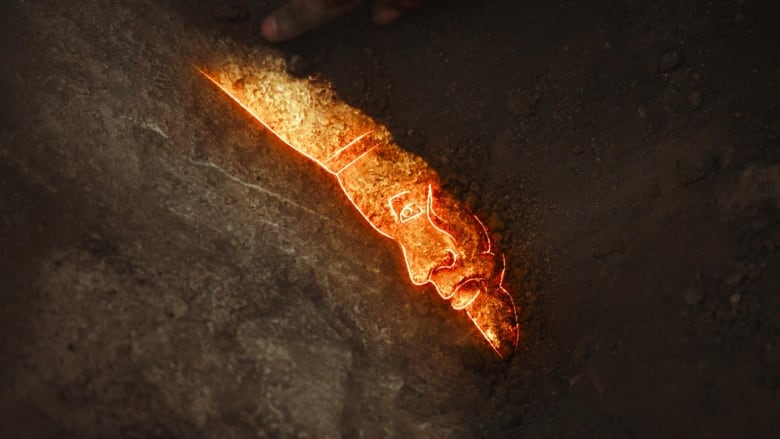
343	148
257	188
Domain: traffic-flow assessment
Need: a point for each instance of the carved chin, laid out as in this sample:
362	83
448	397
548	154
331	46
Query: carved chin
466	292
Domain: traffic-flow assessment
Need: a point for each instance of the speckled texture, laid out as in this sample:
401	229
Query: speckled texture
167	269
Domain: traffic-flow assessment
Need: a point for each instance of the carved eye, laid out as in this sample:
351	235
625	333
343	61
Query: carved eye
405	208
410	212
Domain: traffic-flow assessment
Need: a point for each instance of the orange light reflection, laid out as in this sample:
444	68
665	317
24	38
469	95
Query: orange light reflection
395	191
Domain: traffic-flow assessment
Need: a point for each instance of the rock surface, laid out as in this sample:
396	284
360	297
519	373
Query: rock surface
169	269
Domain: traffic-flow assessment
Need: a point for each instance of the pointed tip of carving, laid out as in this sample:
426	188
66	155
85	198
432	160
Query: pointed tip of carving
495	316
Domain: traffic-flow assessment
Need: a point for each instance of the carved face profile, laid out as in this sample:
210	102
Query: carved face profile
441	245
395	191
427	246
399	195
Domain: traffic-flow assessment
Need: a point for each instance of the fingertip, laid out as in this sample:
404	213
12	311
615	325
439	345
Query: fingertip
385	16
270	29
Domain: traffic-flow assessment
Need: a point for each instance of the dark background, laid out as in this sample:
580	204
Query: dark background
168	269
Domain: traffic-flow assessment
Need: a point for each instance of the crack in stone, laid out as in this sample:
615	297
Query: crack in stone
258	188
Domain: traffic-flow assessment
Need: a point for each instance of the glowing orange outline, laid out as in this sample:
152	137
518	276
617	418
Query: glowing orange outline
350	143
488	334
399	215
429	211
489	250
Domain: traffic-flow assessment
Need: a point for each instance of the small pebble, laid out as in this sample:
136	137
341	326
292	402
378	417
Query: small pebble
735	278
472	201
297	65
495	223
695	99
693	295
176	308
670	61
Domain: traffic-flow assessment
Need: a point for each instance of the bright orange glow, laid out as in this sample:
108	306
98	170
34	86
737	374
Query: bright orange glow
395	191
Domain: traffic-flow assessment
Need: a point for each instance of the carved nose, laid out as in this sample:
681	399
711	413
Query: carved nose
422	266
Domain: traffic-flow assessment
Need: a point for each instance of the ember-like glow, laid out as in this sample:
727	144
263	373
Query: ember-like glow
394	190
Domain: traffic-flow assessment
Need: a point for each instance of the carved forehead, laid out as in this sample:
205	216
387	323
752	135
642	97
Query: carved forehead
384	173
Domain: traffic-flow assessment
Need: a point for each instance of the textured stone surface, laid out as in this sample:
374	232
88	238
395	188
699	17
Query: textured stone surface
189	274
168	269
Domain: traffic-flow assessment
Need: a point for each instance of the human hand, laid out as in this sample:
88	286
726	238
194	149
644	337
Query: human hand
297	17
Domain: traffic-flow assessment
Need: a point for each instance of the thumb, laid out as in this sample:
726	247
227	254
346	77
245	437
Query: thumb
297	17
388	11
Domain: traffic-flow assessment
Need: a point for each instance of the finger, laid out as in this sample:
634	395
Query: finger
389	11
299	16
